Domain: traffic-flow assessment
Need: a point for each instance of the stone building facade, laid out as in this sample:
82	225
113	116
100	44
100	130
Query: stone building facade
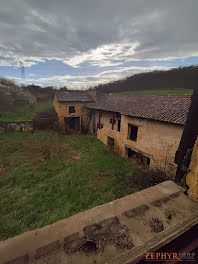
73	115
147	128
154	142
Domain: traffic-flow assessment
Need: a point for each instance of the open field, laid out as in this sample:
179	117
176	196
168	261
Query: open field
25	114
45	177
156	92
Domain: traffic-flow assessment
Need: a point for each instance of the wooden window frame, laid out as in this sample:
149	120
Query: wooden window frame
74	109
135	136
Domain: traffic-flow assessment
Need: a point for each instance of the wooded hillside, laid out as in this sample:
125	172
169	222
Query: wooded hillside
42	94
177	78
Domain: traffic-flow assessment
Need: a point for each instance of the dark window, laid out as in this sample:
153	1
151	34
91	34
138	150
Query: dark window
119	125
110	143
140	158
72	109
112	121
130	153
133	131
118	116
99	126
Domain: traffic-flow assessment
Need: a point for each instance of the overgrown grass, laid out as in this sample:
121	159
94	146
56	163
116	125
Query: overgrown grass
156	92
23	113
46	177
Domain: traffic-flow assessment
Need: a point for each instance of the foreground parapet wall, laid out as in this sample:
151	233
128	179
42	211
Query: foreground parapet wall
192	177
117	232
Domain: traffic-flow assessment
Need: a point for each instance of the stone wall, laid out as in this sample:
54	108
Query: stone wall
16	126
192	177
158	140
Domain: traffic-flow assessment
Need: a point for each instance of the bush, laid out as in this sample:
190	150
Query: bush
46	120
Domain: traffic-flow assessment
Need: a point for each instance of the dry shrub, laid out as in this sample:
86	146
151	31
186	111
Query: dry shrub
46	120
148	178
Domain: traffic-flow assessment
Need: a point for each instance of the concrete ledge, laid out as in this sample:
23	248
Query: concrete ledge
136	211
128	214
45	250
136	254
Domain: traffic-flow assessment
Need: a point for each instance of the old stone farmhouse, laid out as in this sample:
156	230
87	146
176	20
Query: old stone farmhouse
147	128
73	115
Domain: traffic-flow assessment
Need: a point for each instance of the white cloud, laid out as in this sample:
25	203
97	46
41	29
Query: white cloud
105	55
79	82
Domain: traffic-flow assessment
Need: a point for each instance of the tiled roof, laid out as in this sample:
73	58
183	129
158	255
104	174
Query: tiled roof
170	108
74	96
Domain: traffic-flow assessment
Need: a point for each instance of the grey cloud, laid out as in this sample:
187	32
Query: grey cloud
62	29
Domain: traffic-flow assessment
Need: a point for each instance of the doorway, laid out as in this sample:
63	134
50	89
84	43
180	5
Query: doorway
110	143
72	124
139	157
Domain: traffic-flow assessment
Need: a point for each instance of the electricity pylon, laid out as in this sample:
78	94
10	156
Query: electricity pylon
22	72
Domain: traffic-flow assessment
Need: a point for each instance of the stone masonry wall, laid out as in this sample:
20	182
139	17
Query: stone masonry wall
192	177
62	110
16	126
157	139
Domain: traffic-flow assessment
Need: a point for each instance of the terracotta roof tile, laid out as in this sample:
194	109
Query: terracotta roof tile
171	108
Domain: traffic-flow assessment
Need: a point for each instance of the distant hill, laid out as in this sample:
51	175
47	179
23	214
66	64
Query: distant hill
177	78
42	94
13	96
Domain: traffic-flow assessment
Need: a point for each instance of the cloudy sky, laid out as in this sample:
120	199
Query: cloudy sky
79	43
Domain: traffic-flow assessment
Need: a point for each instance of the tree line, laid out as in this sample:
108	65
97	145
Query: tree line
176	78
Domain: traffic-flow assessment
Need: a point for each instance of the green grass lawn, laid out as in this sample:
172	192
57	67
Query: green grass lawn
45	177
156	92
25	114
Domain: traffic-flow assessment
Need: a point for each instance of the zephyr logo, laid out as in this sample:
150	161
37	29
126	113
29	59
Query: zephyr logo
170	256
